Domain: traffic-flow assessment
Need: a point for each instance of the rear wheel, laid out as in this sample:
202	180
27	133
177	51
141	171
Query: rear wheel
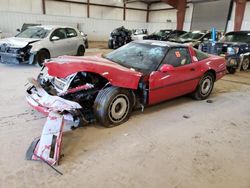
205	87
113	106
110	44
41	56
245	64
231	70
80	51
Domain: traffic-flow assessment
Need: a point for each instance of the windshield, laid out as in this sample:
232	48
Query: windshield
236	37
138	56
161	32
192	35
34	32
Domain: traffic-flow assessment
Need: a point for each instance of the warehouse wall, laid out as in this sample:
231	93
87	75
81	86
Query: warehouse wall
246	19
102	21
167	18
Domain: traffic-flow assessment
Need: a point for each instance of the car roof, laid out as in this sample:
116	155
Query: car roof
243	32
161	43
53	26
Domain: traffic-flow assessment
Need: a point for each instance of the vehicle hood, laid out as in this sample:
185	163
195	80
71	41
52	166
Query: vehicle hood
229	44
116	74
180	40
16	42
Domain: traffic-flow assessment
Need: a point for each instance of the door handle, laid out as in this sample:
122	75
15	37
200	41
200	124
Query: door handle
192	69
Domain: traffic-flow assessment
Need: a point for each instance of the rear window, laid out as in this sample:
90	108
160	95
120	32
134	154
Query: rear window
201	55
71	33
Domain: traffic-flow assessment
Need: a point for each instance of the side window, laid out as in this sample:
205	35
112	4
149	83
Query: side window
60	33
200	55
71	33
177	57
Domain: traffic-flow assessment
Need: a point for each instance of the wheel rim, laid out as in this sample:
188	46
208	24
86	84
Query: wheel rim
206	86
118	108
245	64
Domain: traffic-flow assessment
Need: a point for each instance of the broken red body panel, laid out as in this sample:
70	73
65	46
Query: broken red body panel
47	148
66	65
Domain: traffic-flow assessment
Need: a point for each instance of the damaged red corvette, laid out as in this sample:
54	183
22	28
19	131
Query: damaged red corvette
107	88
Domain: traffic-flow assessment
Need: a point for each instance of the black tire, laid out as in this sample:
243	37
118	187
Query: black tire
231	70
110	44
41	56
245	64
113	106
86	44
204	87
80	51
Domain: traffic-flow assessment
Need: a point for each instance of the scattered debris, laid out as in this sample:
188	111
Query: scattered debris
209	101
186	116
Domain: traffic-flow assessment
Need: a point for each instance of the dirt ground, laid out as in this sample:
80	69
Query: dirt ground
155	148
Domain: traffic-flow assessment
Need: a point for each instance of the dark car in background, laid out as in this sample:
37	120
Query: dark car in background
194	38
235	47
164	35
119	37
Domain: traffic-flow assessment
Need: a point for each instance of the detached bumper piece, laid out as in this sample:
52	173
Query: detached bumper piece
60	118
47	148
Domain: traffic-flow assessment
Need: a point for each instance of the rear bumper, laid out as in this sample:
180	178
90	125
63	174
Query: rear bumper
43	102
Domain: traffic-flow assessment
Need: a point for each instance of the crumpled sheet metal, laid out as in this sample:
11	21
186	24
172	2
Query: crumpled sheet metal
48	146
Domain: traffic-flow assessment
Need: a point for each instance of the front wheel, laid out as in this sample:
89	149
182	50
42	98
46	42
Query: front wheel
41	56
245	64
113	106
205	87
231	70
80	51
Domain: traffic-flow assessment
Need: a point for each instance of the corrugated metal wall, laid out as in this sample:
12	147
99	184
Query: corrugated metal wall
210	14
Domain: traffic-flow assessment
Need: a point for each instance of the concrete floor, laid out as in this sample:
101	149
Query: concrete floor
156	148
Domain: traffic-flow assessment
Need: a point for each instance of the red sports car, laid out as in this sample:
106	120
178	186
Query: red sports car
107	88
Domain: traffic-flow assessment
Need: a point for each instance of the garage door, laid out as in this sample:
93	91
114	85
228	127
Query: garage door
210	14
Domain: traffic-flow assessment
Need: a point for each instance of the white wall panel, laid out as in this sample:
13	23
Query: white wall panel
106	13
137	5
78	10
134	15
246	20
159	6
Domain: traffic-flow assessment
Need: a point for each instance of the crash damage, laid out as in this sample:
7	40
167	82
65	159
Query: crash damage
13	51
65	91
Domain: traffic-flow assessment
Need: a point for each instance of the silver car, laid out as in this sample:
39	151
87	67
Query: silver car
35	44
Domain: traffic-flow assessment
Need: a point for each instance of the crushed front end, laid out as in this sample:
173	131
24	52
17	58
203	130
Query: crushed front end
16	55
68	104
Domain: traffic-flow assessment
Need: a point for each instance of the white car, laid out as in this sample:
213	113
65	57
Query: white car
35	44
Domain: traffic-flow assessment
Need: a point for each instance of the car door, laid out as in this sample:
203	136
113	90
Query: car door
73	41
58	43
181	80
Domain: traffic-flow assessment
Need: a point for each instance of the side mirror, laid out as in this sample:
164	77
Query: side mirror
205	39
18	30
54	38
166	68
